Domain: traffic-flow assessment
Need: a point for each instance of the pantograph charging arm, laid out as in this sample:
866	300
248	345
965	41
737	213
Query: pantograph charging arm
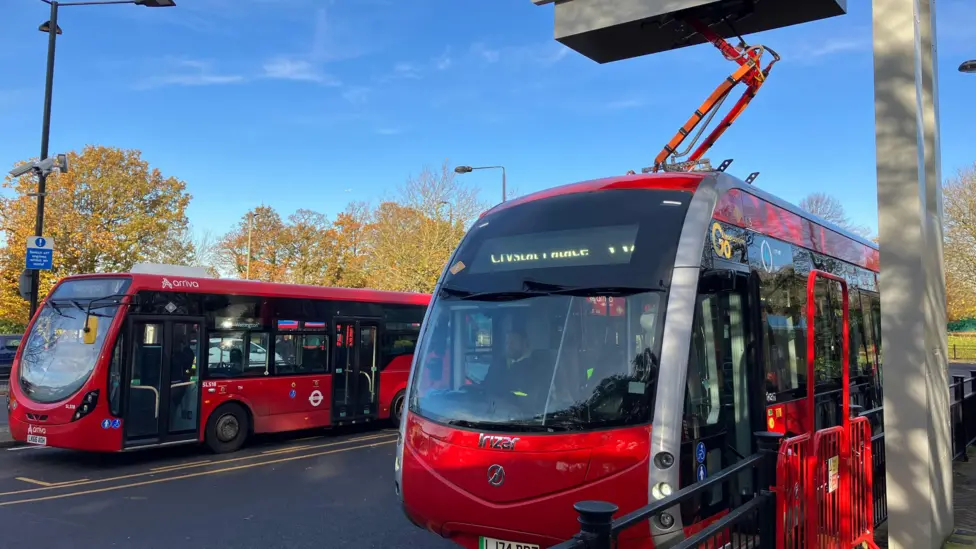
749	72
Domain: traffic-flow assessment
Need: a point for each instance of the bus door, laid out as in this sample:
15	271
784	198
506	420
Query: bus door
720	412
355	378
827	401
162	397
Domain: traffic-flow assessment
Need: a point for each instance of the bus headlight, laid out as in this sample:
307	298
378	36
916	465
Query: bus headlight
87	406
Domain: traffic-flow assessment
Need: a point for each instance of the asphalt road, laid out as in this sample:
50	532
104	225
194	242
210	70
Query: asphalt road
332	491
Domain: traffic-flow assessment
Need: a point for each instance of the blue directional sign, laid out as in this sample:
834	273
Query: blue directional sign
700	452
106	423
40	253
702	472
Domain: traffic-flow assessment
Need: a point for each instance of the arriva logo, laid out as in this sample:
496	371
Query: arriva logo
32	430
167	285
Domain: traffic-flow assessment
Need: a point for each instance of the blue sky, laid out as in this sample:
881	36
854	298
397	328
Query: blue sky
313	103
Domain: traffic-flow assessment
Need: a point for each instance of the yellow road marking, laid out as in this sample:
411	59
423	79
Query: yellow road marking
218	463
285	450
192	475
179	466
50	484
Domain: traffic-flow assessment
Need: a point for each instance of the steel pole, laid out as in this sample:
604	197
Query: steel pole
504	193
52	38
250	217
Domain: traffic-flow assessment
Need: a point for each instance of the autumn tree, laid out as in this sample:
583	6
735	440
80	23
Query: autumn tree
110	211
349	265
413	234
309	242
256	248
830	209
959	202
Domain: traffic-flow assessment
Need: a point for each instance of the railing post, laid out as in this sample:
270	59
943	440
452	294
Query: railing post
959	417
596	523
768	444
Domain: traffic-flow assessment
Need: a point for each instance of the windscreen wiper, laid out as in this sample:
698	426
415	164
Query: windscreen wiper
509	295
57	309
512	427
557	289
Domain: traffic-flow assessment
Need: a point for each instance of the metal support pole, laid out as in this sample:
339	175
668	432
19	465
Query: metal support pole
912	281
52	38
250	217
504	192
768	444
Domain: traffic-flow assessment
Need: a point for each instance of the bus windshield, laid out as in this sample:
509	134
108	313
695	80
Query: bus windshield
550	316
56	362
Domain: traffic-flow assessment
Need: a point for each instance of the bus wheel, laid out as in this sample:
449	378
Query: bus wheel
396	408
227	429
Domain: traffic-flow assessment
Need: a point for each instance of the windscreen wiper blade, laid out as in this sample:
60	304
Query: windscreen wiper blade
510	295
56	308
514	426
557	289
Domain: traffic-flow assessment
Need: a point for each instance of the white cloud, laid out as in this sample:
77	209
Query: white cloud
490	55
836	46
284	68
443	61
406	70
191	72
357	95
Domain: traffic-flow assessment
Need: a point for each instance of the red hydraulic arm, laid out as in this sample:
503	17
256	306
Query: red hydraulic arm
750	72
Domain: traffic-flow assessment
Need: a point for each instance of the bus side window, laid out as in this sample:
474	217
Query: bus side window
858	349
876	317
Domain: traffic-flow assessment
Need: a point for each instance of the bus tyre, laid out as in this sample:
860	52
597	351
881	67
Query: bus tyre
396	407
227	428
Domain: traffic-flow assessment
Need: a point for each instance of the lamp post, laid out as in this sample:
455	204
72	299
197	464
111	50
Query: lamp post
968	66
469	169
53	30
450	211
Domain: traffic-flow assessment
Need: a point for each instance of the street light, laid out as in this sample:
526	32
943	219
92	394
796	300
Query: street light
469	169
51	28
968	66
450	211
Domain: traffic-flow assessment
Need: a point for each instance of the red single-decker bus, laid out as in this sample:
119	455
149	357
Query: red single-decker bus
115	362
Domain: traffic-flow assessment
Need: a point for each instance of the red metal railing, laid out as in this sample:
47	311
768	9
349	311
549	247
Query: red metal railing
862	483
791	494
824	492
827	495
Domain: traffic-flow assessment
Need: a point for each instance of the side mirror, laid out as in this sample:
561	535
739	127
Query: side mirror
91	330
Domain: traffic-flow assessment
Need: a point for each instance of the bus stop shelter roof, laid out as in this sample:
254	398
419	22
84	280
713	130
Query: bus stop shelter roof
612	30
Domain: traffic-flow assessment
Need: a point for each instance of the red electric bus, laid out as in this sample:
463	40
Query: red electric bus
620	339
115	362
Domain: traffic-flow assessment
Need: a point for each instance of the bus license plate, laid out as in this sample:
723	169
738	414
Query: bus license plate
492	543
36	439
